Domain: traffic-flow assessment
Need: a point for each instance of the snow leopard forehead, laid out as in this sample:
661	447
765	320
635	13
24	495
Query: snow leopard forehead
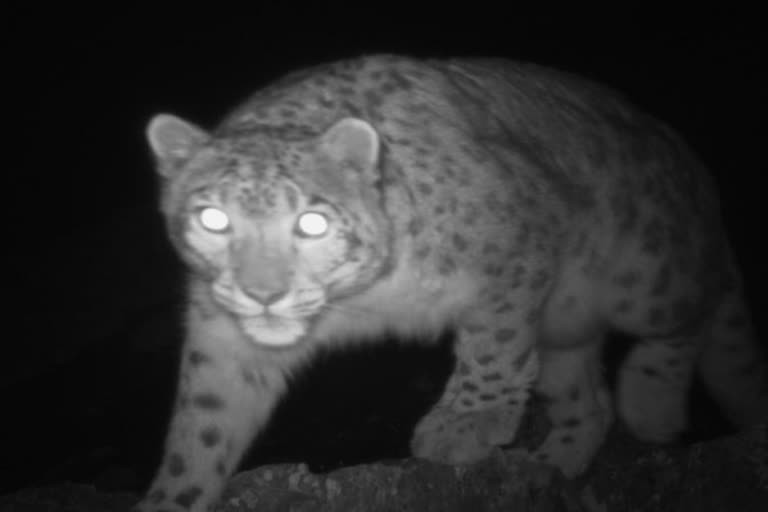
248	172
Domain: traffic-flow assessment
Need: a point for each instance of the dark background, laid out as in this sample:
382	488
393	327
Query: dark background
94	289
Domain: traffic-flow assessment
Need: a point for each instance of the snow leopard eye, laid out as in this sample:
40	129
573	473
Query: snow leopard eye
213	220
312	225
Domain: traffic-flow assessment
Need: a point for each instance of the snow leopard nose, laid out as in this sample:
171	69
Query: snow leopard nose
265	297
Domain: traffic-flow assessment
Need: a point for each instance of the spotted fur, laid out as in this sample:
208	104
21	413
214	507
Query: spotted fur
528	210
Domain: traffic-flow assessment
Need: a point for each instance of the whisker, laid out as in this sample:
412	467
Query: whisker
348	309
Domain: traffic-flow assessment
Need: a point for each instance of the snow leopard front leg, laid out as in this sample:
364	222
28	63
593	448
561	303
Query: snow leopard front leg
484	399
224	398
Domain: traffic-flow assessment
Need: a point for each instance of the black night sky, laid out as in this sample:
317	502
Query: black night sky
94	295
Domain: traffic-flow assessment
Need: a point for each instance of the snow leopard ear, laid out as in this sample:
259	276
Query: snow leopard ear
173	141
355	143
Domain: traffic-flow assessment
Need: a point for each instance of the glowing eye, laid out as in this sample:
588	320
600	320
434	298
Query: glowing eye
312	224
213	219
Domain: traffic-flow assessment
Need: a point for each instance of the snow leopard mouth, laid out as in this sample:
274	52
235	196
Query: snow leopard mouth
272	330
262	325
